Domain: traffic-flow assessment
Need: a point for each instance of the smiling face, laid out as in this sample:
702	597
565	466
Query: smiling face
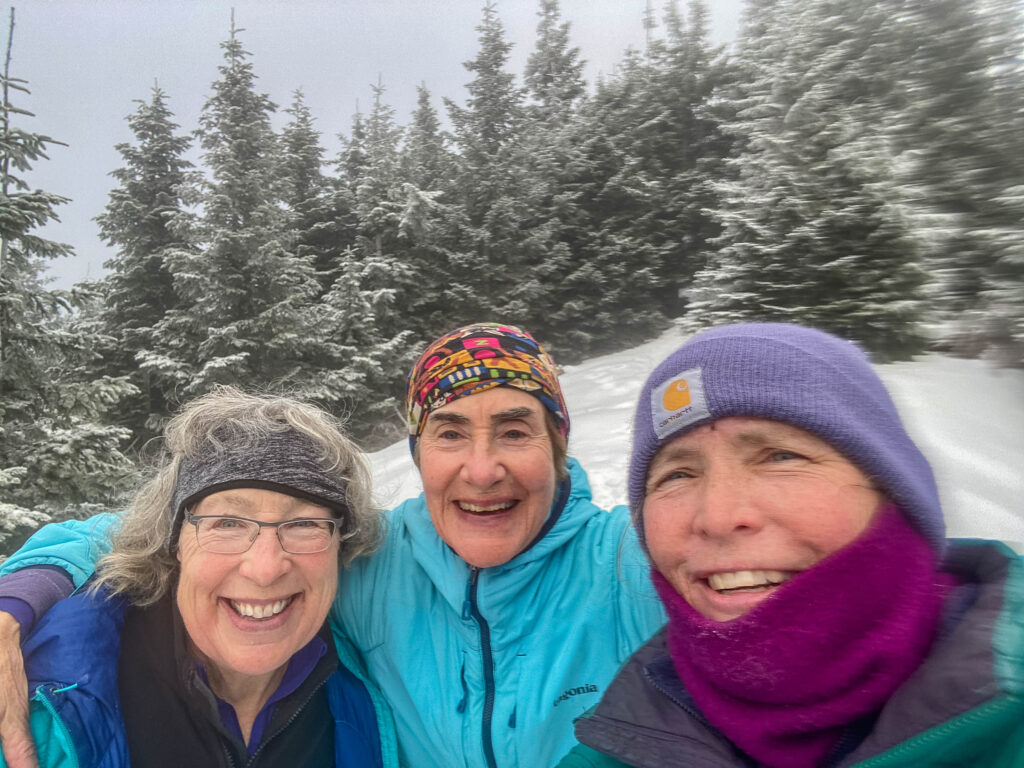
736	507
488	473
219	596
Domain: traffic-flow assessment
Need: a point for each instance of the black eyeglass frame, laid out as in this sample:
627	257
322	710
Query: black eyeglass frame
335	523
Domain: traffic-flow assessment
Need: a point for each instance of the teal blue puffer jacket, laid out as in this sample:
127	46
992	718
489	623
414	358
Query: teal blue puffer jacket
482	668
490	667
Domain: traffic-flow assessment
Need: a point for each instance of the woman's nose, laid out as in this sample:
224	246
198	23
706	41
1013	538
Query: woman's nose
265	561
726	506
483	466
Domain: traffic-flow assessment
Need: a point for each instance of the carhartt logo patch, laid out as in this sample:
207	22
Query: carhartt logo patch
678	402
677	395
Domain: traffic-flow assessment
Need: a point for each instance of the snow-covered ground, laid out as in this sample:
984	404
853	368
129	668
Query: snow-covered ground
967	417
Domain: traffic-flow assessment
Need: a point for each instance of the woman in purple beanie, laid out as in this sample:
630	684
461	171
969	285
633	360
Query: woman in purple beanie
817	614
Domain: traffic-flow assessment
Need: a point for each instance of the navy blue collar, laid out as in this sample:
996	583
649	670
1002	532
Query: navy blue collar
557	507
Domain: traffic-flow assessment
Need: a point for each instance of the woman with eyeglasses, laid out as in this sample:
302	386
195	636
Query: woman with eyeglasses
202	638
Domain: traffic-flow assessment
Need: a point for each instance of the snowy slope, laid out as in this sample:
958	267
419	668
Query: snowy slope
966	416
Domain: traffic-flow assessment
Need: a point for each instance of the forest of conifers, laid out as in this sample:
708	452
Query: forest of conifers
856	165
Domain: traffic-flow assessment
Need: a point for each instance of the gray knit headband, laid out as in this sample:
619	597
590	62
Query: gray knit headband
287	462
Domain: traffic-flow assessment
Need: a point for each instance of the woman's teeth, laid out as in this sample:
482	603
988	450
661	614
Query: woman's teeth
747	581
465	506
264	611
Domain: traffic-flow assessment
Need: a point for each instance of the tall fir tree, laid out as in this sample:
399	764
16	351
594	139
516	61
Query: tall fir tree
682	146
361	319
1002	222
554	70
320	220
487	131
813	227
555	89
56	455
381	198
961	136
302	158
244	293
139	221
603	301
363	367
426	158
638	189
377	200
428	170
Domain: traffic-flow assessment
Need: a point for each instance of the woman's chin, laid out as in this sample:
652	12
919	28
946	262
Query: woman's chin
251	663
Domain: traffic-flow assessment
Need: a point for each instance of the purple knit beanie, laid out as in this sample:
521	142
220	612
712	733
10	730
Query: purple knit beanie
796	375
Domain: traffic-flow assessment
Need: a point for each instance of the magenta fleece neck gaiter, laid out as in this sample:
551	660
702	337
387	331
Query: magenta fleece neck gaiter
829	647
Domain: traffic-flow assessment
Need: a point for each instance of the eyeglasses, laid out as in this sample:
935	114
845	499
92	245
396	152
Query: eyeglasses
234	535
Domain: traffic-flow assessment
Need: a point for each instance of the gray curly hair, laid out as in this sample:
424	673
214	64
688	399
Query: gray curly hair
142	568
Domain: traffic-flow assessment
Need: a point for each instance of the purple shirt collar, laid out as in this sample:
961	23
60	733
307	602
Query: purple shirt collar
300	666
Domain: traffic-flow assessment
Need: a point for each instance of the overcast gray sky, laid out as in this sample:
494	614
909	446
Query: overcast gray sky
87	60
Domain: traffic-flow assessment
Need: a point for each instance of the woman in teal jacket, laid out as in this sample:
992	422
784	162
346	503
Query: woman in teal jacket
502	600
817	616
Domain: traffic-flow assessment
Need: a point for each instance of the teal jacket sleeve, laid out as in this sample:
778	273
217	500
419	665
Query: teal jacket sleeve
641	613
74	545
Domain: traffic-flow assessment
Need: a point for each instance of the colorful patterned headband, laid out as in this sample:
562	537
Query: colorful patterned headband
475	358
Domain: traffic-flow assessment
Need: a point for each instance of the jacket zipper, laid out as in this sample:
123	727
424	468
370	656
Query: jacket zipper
61	726
692	711
263	742
472	609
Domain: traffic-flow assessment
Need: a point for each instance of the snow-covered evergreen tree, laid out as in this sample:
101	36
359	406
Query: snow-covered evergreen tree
302	158
554	70
485	252
377	202
362	319
244	293
426	221
320	219
634	187
139	222
56	455
546	148
813	228
362	366
961	136
604	298
681	147
1001	223
381	198
427	161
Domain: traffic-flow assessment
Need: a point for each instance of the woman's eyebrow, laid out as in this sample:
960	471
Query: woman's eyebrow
761	437
755	438
672	454
512	414
449	418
